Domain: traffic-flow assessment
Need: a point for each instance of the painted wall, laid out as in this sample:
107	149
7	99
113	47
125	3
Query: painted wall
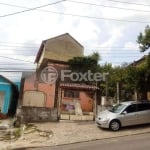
31	84
85	98
7	89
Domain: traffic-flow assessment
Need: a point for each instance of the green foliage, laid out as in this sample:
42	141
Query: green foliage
144	39
83	64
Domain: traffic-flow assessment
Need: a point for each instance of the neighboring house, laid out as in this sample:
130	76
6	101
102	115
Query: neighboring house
8	96
139	63
44	101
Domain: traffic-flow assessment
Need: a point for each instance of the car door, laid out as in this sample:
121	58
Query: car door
144	113
130	117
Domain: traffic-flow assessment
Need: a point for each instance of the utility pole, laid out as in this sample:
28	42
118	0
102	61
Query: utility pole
117	92
106	88
106	83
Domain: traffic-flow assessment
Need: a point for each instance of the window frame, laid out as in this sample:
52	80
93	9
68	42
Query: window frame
71	94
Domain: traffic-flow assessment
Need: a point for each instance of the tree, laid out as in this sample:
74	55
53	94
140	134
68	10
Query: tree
144	39
85	63
132	78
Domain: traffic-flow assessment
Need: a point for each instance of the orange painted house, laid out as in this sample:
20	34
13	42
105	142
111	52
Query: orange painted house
72	101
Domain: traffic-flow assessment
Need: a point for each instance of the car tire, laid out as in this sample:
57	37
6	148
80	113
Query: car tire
115	125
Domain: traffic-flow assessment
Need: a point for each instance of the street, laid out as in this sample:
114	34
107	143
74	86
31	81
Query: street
133	142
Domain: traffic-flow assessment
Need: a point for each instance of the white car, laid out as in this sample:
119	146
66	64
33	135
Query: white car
125	114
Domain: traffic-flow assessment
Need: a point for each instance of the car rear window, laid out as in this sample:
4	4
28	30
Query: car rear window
142	107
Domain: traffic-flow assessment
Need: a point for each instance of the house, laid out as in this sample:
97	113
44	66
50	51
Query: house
46	100
77	101
8	96
140	63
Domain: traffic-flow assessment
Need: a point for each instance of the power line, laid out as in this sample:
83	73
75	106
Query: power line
12	43
18	55
16	59
81	16
88	46
15	69
99	18
38	47
1	45
128	2
14	65
92	4
79	2
30	9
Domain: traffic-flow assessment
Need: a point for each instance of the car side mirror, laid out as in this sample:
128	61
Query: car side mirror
124	112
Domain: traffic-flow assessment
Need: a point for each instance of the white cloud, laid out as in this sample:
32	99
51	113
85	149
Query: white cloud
131	45
36	26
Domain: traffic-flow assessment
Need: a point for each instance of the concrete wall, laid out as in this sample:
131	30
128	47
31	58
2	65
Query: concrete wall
49	90
62	48
31	114
34	99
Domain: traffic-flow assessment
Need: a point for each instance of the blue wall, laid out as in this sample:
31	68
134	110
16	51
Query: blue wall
6	88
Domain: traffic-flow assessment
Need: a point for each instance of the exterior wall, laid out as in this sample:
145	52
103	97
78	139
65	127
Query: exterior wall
42	56
49	90
86	102
62	48
31	114
34	99
148	96
6	88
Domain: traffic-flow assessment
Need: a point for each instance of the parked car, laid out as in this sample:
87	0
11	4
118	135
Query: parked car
125	114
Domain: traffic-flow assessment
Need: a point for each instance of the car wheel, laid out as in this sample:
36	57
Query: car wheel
115	125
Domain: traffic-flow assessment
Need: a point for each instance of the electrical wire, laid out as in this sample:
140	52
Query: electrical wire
30	9
76	15
16	59
1	45
124	2
100	5
79	2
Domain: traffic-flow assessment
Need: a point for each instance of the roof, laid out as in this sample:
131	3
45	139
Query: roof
43	43
26	74
78	86
139	61
7	80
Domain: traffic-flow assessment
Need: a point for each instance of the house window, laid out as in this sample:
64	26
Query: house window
71	93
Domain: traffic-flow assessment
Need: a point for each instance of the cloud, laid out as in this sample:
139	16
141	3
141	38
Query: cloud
131	45
32	27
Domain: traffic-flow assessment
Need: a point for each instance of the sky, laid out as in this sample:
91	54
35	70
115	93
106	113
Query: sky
109	27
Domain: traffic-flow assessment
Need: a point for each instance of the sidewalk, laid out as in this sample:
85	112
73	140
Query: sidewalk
65	132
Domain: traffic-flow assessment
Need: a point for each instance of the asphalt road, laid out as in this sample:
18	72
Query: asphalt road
133	142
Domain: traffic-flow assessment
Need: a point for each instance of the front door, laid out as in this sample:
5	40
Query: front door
1	100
